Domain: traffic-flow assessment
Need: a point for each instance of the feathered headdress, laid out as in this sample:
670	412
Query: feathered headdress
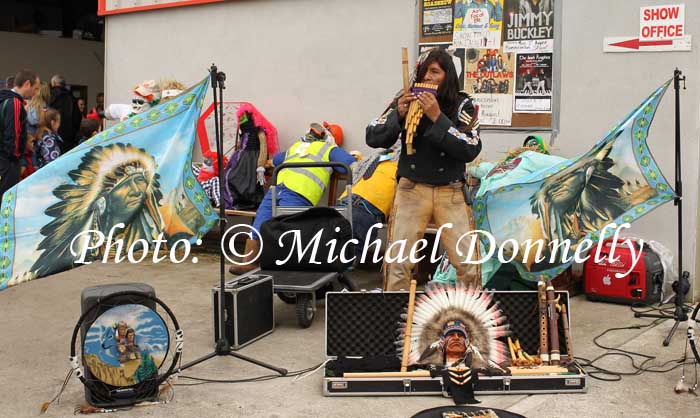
84	203
473	308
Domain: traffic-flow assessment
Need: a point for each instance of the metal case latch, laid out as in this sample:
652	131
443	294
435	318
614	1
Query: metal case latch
506	383
339	385
406	385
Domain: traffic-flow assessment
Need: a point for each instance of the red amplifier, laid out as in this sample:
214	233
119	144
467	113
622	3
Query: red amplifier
642	284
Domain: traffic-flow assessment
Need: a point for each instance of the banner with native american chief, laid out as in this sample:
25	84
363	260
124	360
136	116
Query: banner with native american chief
547	199
132	182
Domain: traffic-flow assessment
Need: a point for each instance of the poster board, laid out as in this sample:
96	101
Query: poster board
506	51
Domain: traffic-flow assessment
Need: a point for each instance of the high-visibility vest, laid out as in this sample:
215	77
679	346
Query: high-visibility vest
308	182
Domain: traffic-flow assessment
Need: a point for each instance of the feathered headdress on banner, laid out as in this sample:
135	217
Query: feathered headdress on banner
473	308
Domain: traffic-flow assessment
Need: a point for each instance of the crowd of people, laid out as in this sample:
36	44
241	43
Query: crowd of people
39	122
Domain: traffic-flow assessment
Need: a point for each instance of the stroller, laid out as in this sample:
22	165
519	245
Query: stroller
304	287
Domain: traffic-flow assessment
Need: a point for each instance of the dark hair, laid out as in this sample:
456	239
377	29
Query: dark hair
88	126
23	76
100	94
10	82
448	92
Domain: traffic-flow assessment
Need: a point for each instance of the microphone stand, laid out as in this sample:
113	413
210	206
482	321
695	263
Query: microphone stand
682	285
223	346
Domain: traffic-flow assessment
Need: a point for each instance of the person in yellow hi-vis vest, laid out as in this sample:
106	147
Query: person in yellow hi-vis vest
373	189
296	186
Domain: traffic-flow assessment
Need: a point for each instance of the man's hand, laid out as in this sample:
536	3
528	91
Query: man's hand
403	104
430	106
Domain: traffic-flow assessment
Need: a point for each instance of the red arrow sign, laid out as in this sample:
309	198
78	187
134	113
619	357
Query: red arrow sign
636	43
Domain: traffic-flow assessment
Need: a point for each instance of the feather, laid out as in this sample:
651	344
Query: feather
483	320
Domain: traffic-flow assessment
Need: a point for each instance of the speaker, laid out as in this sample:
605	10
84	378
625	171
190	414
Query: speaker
105	390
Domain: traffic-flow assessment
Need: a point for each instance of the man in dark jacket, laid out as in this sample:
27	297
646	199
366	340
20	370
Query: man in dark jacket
431	181
63	101
13	130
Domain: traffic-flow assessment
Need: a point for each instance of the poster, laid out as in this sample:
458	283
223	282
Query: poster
457	56
494	109
528	26
489	80
478	23
490	71
437	17
533	83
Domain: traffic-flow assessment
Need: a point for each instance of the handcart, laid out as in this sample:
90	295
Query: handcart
303	287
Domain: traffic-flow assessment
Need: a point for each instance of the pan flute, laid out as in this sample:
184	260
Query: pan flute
415	113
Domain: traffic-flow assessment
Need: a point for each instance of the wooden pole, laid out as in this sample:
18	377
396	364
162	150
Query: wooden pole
519	371
409	326
370	375
404	64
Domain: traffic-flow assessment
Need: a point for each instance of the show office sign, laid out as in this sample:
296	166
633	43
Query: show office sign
661	28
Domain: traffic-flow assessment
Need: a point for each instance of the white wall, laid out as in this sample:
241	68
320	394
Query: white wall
298	61
339	60
81	62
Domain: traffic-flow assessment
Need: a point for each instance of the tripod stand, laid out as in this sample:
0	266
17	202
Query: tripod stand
223	347
682	285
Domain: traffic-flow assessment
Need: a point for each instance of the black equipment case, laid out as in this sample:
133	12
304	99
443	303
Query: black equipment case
363	325
249	314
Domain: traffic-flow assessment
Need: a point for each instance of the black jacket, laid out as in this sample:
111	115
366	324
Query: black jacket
63	101
442	149
13	125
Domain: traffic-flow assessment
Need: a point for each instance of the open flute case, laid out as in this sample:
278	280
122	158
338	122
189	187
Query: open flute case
362	327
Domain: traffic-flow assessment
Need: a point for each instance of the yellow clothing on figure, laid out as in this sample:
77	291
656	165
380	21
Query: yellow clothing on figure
380	188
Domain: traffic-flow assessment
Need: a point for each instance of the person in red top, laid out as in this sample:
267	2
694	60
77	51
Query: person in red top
13	129
26	162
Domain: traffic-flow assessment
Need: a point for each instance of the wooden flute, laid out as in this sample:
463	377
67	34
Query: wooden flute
567	332
542	302
554	356
409	326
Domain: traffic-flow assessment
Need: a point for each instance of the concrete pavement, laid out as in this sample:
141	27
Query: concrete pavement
38	318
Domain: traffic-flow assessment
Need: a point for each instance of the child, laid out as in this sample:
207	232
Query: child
48	147
88	129
26	163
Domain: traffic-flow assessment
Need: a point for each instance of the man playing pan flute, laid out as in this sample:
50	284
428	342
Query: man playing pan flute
431	180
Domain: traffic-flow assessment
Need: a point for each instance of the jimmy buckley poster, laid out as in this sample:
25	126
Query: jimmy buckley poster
136	174
528	26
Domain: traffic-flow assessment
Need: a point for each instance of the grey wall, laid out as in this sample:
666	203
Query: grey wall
339	60
599	89
298	61
81	62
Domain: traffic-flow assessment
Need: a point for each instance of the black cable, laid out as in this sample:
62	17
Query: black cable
601	373
262	378
665	309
